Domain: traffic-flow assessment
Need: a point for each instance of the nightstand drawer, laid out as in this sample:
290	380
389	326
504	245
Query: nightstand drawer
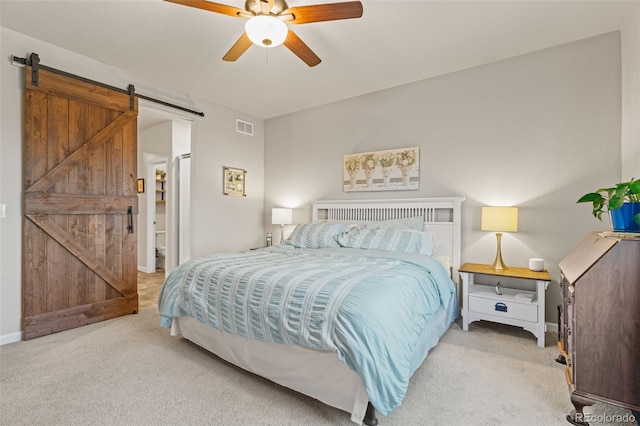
504	308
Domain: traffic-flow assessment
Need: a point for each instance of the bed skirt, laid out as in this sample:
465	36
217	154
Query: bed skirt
318	374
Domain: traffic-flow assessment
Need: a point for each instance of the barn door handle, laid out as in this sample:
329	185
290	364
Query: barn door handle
130	219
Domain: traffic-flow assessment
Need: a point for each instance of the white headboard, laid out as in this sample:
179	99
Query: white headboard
442	216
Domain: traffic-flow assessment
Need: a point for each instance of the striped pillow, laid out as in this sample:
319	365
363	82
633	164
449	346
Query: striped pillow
316	235
416	223
389	239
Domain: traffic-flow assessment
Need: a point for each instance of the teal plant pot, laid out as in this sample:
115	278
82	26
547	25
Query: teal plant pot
622	218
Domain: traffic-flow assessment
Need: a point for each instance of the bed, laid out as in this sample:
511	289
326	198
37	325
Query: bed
345	311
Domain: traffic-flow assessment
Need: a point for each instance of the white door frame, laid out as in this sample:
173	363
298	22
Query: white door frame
183	202
151	212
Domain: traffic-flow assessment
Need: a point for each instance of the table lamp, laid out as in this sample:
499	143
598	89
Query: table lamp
499	220
281	217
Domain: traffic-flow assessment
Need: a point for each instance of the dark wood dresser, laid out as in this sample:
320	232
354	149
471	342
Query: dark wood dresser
599	332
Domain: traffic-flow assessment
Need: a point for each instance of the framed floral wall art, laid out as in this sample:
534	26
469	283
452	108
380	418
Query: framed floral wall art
234	181
390	170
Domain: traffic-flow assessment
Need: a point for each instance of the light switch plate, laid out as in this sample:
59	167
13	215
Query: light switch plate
3	211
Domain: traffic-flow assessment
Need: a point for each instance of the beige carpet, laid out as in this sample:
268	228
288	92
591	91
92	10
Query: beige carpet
129	371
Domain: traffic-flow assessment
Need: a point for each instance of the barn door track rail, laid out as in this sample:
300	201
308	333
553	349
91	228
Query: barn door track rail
34	61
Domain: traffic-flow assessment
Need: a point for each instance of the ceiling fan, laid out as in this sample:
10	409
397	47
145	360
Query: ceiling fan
267	19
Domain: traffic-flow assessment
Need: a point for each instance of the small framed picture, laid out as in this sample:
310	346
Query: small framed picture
140	186
234	181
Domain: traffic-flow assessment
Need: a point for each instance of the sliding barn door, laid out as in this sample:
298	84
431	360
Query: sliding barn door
79	247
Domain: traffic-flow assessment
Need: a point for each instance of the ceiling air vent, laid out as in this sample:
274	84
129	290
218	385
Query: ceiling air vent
244	127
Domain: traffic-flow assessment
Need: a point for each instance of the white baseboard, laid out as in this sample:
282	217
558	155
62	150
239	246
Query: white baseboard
10	338
551	326
145	270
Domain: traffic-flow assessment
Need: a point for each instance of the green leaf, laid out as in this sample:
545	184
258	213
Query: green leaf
622	189
635	187
636	218
587	198
598	203
615	202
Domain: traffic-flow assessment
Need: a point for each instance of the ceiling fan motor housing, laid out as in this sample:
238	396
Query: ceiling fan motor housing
254	7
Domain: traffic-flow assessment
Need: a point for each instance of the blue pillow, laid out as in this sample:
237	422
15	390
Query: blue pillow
316	235
389	239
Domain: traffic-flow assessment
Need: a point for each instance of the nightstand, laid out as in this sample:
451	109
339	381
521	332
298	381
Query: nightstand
520	308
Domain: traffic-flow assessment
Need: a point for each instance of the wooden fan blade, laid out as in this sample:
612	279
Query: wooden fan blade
323	12
213	7
297	46
238	48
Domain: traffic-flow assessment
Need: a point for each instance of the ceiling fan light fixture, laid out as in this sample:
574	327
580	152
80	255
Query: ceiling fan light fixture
266	31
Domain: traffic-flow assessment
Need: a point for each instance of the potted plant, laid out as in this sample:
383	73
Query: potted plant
621	201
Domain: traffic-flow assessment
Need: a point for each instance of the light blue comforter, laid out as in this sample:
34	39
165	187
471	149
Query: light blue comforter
371	307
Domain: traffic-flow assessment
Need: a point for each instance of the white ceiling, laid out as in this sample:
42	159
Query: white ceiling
394	43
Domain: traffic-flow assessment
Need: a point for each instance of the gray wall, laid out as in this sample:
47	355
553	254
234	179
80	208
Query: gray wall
631	96
535	131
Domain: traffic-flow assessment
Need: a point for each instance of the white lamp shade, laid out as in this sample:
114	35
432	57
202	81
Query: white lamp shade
281	216
266	31
499	219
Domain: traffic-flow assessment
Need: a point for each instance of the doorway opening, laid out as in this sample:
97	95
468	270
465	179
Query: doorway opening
164	138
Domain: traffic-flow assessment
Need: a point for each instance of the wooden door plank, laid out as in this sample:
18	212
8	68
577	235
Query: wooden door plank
35	137
93	281
49	203
34	269
57	138
59	85
112	238
63	168
113	187
114	164
52	322
130	174
79	273
96	120
57	260
100	253
34	248
65	240
130	157
57	150
78	117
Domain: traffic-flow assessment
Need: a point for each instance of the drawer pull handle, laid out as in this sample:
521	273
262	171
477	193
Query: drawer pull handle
501	307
